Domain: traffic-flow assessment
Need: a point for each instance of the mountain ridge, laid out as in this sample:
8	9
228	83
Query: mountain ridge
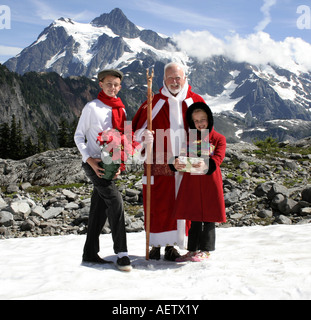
243	96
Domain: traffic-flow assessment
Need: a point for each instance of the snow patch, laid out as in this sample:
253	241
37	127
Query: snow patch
264	263
223	102
86	35
50	62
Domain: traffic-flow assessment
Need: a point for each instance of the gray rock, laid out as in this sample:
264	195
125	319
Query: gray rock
12	188
287	206
305	211
6	218
20	208
136	226
4	232
132	193
263	189
265	214
244	165
70	195
38	211
277	189
25	185
290	165
72	206
277	201
306	194
52	213
283	220
3	204
232	197
27	225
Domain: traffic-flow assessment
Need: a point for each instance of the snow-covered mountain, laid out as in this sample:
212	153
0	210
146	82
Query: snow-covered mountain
82	49
245	97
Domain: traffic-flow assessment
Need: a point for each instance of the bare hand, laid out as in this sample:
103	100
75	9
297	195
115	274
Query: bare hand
200	165
94	163
148	136
178	166
117	174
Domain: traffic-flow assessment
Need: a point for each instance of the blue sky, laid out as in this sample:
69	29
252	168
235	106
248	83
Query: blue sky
221	18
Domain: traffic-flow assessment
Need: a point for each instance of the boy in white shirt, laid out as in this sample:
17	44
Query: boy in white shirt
104	113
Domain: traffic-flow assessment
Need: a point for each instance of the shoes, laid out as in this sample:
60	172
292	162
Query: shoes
95	259
124	264
171	254
186	257
155	253
197	256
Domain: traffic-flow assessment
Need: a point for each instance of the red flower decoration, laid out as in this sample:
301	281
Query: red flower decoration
117	145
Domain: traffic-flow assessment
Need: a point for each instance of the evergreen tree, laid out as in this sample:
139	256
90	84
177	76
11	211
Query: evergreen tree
30	148
72	131
63	133
20	141
4	140
16	145
43	140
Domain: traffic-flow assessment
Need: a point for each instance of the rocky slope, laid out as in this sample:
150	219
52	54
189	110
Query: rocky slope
260	188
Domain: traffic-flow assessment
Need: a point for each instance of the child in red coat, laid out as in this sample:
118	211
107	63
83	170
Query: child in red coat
200	197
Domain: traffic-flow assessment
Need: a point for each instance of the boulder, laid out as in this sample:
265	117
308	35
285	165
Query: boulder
6	219
306	194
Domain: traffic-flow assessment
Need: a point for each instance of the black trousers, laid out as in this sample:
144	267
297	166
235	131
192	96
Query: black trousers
106	203
202	236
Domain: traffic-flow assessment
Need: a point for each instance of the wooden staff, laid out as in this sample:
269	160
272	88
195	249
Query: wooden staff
149	158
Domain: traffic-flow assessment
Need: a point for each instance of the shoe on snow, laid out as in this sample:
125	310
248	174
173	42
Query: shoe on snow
171	254
96	260
187	257
124	264
197	256
155	253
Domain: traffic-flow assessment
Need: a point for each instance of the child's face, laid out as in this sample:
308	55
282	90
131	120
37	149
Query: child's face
200	120
111	85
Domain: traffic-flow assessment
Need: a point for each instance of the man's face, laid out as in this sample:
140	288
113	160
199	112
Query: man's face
174	79
111	85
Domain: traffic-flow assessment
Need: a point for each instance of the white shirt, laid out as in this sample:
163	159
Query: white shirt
95	118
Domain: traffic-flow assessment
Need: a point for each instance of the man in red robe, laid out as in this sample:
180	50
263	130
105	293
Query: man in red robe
169	108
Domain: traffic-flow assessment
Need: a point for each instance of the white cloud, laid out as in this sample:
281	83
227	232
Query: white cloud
257	49
200	44
265	9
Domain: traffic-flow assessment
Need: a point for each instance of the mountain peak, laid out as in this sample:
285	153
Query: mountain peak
118	23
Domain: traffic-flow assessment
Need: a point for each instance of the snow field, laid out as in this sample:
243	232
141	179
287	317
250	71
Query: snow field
268	263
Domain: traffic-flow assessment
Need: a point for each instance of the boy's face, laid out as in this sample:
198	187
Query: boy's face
200	120
111	85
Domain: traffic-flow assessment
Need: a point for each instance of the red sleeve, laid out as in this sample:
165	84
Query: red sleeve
220	148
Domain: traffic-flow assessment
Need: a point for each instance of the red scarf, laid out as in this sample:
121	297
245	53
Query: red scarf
118	112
